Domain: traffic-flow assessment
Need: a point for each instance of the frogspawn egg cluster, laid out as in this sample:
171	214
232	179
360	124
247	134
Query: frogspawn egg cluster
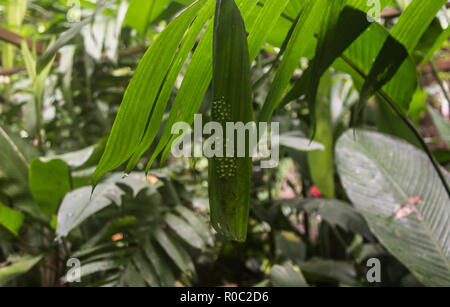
221	113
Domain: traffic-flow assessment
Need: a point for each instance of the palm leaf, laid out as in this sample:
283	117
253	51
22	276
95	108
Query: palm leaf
129	126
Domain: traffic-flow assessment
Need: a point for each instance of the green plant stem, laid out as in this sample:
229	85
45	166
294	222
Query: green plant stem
39	127
409	124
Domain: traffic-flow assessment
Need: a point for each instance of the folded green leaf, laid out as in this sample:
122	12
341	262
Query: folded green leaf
321	164
229	178
49	182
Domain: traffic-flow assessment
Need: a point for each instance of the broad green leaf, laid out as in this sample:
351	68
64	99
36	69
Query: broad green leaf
429	38
309	21
358	59
139	98
18	268
287	276
185	231
338	213
397	190
334	40
141	13
15	155
49	182
176	252
442	125
11	219
78	205
414	21
360	56
404	37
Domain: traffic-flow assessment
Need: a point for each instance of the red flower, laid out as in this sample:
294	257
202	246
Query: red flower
315	192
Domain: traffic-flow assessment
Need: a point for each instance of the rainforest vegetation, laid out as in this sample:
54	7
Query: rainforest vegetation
91	193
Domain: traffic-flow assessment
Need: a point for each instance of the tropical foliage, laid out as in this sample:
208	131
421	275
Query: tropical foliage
90	91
